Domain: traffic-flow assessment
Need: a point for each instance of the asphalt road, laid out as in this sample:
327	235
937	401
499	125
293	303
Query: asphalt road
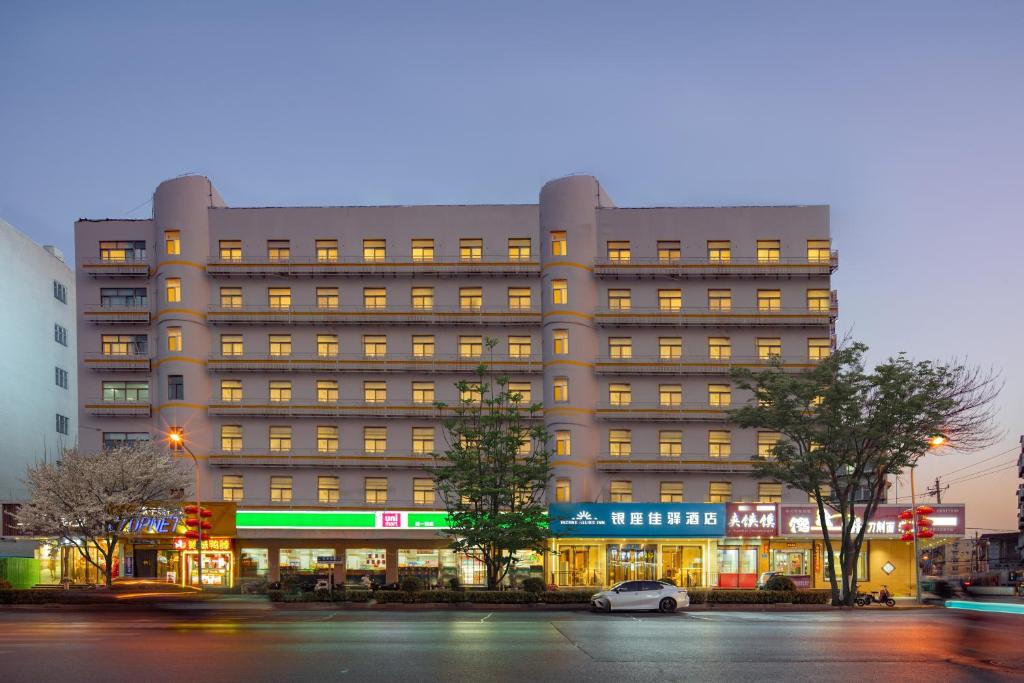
451	646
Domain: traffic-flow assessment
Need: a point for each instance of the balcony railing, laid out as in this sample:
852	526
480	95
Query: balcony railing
264	407
376	364
313	458
117	315
101	408
653	462
693	365
125	268
308	315
705	317
685	412
442	266
134	362
704	268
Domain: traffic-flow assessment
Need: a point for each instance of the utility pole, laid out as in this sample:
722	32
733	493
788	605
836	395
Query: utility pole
937	491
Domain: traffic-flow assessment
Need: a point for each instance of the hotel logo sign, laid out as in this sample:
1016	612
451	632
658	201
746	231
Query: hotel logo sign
638	519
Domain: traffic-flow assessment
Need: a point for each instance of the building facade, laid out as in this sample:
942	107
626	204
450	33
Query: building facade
301	351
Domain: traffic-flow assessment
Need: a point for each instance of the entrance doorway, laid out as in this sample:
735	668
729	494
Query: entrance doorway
145	564
632	562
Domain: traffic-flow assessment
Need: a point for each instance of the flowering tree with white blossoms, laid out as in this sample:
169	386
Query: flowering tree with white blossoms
85	499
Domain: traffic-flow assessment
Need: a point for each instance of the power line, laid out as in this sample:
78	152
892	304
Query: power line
1013	449
979	475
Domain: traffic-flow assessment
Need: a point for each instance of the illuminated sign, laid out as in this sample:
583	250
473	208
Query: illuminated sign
638	519
151	523
340	519
211	544
803	520
751	520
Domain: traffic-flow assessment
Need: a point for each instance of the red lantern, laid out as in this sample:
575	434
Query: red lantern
192	534
191	509
191	521
925	510
207	525
907	537
205	513
923	522
906	514
925	533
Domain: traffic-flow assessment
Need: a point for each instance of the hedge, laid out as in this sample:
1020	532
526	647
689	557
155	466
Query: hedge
31	596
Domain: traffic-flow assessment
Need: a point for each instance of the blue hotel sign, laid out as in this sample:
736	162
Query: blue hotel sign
640	520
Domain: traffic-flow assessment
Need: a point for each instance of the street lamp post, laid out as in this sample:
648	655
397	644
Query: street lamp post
178	439
937	441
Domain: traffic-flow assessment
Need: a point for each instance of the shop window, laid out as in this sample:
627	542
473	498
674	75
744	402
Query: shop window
670	395
172	288
471	347
560	342
793	562
326	439
519	248
423	392
375	298
280	391
818	300
819	251
578	565
280	438
422	491
670	299
620	443
519	298
719	251
327	298
669	251
683	564
423	250
172	242
620	491
563	442
279	250
327	391
422	440
231	390
326	251
720	299
471	249
620	299
620	394
818	349
620	348
327	489
769	251
375	440
769	300
560	389
559	292
520	347
422	298
768	347
254	563
562	491
670	348
671	492
280	489
230	438
368	562
231	297
719	492
376	489
375	250
719	348
232	488
719	443
423	345
737	566
558	243
670	443
230	250
375	392
619	252
304	560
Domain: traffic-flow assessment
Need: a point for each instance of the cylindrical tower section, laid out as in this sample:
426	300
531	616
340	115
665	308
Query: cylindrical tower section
183	341
568	226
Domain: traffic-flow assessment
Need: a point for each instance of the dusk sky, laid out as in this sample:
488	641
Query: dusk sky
905	117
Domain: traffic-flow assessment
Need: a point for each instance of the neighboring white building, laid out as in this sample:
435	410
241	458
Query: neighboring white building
38	373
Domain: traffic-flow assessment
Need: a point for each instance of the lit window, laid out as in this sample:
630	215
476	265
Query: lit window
720	299
375	298
719	251
231	487
719	492
327	441
769	347
719	348
769	493
670	299
560	342
231	438
559	291
122	344
173	290
375	392
471	249
279	250
280	344
719	395
423	392
375	345
174	339
669	251
327	297
231	390
422	298
620	443
279	297
327	489
519	249
670	443
560	389
231	345
470	393
172	242
620	299
826	493
520	347
769	300
562	491
818	300
620	347
766	442
231	250
422	491
519	298
375	439
768	251
231	297
819	251
376	490
327	345
123	251
670	395
471	298
719	443
422	440
280	489
280	391
523	389
423	250
670	348
818	349
280	438
471	347
423	345
671	492
558	243
374	250
326	391
619	252
563	442
327	251
620	491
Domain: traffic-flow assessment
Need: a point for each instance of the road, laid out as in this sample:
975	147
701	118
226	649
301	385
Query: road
454	646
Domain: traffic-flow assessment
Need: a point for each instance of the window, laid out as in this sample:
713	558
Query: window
280	438
279	250
231	345
670	299
471	347
63	424
719	348
129	297
327	441
520	347
60	334
375	345
231	250
123	251
562	491
719	492
375	250
375	391
423	250
563	442
826	494
471	393
819	251
422	440
719	251
231	390
60	292
620	347
766	442
115	439
327	345
172	289
769	493
327	297
175	388
279	297
768	251
560	390
124	344
423	392
818	300
471	249
376	490
560	342
620	443
280	489
669	251
818	349
769	300
670	443
525	391
720	299
719	443
619	252
327	391
172	242
422	491
519	248
670	348
620	299
471	298
423	345
231	297
671	492
719	395
126	392
231	487
422	298
280	344
620	491
280	390
768	347
174	339
558	243
559	291
327	489
519	298
61	378
327	251
620	394
231	438
670	395
375	439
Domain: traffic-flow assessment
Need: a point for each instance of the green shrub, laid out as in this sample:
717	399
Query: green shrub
534	584
698	596
667	580
812	597
411	584
566	597
275	595
780	583
358	595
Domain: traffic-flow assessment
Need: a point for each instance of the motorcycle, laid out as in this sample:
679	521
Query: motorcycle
883	596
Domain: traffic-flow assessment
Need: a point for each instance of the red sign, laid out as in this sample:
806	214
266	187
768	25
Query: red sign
209	544
751	520
391	520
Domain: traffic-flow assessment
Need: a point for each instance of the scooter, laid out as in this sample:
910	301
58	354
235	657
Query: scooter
883	596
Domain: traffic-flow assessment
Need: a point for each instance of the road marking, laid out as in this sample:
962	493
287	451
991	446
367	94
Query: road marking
489	615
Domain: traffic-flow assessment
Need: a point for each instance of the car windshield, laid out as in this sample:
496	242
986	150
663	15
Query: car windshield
619	585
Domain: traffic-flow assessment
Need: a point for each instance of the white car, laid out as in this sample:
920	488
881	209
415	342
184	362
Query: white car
641	595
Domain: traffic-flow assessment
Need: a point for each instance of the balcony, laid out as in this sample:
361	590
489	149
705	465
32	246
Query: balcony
705	317
693	365
355	363
299	408
101	408
653	462
655	412
312	458
308	315
440	266
118	363
110	268
117	315
654	268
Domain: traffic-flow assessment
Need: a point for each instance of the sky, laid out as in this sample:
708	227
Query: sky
905	117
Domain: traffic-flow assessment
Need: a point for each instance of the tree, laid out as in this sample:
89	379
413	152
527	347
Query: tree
494	473
844	431
86	499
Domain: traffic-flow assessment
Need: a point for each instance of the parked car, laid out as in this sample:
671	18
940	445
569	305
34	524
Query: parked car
762	581
640	595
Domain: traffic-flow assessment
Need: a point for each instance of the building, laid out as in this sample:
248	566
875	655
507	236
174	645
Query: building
1020	502
301	350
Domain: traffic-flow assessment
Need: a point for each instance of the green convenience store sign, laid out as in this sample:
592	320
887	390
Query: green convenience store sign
339	519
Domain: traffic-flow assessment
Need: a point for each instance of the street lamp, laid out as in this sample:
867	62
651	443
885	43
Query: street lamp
177	438
937	441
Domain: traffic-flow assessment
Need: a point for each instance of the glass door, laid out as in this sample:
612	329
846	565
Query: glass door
632	562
